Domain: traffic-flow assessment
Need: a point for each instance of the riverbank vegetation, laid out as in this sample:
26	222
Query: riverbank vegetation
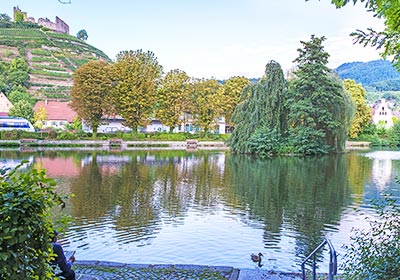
26	199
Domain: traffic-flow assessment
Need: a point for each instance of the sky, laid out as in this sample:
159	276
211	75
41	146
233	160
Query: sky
212	38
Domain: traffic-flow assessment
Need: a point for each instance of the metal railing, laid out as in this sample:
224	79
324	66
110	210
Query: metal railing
332	261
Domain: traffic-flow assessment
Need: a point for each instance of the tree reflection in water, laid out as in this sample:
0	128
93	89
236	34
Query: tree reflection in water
133	195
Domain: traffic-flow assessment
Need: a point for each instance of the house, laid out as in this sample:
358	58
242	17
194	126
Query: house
382	114
116	124
58	114
109	124
5	105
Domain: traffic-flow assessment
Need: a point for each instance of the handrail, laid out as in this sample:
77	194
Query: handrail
332	261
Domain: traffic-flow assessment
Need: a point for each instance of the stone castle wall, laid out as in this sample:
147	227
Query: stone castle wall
59	26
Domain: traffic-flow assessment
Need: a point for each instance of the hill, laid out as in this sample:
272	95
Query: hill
52	58
376	75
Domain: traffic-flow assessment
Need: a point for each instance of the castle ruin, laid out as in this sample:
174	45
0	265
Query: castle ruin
59	26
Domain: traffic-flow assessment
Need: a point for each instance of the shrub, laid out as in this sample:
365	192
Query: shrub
139	136
52	134
265	143
375	252
25	229
64	135
126	136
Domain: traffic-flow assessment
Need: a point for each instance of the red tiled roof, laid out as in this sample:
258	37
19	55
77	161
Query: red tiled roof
56	110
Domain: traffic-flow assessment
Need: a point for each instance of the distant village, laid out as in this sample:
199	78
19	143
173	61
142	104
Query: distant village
59	26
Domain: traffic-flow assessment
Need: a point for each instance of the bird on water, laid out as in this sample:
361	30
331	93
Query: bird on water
257	258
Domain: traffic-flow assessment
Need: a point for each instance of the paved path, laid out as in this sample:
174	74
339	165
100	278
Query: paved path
92	270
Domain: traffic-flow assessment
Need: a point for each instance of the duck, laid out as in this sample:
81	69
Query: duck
256	258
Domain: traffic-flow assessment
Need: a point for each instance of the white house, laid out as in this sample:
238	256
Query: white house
382	114
116	124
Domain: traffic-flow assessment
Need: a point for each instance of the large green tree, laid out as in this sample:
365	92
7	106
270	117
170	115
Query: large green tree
320	108
229	95
135	76
362	117
205	101
91	92
173	97
388	39
261	114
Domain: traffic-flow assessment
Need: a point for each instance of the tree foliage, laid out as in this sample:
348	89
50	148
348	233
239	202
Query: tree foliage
26	227
39	116
375	252
205	103
82	35
173	97
229	95
260	114
90	94
362	116
320	109
135	76
13	73
22	109
388	39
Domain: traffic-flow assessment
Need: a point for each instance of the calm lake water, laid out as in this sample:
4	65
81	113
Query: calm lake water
211	207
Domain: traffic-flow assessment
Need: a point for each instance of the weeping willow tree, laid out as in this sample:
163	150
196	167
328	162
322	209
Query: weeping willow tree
260	116
320	109
312	117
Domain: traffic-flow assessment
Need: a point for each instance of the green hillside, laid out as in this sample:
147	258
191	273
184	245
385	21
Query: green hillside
52	58
379	78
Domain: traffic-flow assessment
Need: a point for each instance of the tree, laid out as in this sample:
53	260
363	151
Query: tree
362	117
91	93
320	109
22	109
135	76
389	38
229	95
5	18
260	116
375	252
19	93
173	97
205	101
26	200
82	35
39	116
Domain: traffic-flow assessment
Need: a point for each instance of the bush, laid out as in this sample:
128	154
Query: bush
64	135
265	143
375	252
16	134
25	229
52	134
126	136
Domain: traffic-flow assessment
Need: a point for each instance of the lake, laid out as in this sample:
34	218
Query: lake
212	207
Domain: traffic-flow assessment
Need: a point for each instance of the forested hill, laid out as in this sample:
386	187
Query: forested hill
376	75
51	57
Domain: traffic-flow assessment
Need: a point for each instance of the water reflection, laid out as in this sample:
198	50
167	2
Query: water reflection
210	207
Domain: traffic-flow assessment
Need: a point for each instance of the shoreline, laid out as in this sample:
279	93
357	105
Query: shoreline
99	270
115	144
